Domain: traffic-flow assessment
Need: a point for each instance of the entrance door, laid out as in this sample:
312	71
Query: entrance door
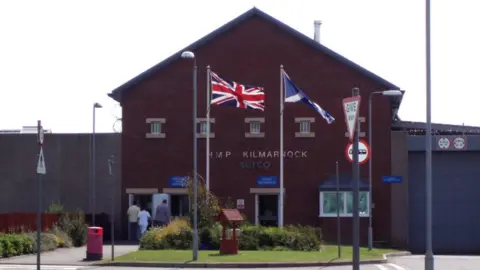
157	200
268	210
180	206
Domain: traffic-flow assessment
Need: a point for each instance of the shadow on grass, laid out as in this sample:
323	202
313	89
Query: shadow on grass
221	255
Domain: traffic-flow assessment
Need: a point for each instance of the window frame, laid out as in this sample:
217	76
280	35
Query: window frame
153	133
254	122
307	122
343	213
255	127
305	126
203	122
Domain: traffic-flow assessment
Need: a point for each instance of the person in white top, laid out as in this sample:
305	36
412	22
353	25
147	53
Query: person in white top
132	213
143	220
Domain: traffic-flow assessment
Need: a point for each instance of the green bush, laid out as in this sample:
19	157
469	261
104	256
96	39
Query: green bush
14	245
48	241
273	238
62	238
55	208
74	225
176	235
211	236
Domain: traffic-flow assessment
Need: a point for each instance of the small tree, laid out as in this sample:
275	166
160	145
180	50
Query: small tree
208	204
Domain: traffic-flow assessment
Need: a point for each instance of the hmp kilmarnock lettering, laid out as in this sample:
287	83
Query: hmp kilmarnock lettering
254	154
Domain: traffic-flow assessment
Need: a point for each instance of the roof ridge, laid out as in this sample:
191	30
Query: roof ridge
116	94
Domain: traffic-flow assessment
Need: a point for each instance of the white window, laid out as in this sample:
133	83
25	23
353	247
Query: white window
155	127
255	127
202	133
203	127
328	203
304	126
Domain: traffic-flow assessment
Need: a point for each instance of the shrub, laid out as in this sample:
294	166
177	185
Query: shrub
176	235
62	238
208	204
210	237
15	244
74	225
48	241
55	208
273	238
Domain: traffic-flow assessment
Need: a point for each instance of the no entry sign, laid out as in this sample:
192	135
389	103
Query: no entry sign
363	152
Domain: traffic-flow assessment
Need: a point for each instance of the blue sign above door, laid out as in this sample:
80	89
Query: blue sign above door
177	181
267	181
392	179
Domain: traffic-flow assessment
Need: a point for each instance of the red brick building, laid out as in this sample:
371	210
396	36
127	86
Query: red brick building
157	128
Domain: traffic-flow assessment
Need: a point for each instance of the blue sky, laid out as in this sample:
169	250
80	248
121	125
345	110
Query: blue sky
59	57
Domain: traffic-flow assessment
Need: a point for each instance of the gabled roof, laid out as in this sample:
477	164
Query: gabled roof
117	93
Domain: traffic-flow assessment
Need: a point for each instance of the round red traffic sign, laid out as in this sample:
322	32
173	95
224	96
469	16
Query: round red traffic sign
363	152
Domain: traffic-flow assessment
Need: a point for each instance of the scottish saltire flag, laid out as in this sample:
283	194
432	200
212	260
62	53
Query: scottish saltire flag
230	93
294	94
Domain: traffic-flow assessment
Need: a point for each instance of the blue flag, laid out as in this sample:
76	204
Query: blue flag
294	94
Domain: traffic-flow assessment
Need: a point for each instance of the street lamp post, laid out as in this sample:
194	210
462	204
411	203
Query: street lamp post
390	93
96	105
191	55
429	259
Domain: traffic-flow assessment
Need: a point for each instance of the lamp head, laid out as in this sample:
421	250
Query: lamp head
97	105
188	55
392	93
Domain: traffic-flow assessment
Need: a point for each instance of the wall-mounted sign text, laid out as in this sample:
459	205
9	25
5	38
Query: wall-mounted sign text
391	179
177	181
261	154
267	181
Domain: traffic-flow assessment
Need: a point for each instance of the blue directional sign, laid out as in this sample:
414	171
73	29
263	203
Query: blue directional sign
392	179
267	181
177	181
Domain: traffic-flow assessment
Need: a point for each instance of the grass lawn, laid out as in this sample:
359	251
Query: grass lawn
328	253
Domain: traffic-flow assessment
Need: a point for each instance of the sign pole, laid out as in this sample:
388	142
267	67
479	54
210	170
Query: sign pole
339	231
351	107
111	160
40	170
356	180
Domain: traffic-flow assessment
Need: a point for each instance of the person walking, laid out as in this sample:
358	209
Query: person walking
132	213
162	215
143	220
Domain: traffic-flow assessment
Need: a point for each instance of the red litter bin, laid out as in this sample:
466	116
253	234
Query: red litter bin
95	243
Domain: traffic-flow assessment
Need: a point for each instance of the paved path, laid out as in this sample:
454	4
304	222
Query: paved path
416	262
65	256
33	267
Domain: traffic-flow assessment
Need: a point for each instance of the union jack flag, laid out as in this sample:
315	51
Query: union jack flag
230	93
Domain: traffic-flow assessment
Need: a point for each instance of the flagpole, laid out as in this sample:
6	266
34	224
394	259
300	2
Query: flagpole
280	208
207	140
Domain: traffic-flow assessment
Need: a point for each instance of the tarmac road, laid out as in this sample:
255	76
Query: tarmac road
51	267
416	262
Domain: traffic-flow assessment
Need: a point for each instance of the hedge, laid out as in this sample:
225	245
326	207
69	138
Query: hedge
178	235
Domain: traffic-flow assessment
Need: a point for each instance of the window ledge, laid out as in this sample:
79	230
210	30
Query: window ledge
155	135
204	135
341	215
254	135
304	134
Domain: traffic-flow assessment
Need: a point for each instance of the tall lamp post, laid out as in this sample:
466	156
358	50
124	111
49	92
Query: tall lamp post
429	259
96	105
191	55
389	93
